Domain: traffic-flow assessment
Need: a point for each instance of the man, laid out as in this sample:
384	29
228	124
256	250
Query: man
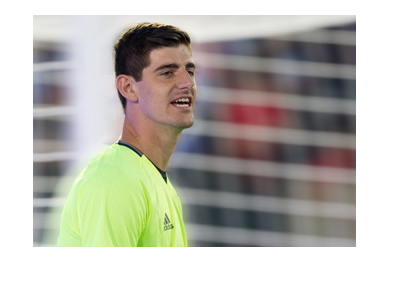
124	196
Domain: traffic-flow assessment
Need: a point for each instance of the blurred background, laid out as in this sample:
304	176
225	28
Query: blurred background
271	158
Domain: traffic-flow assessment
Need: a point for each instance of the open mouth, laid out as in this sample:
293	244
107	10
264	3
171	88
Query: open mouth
182	102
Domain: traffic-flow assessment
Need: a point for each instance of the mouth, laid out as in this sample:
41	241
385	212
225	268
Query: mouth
182	102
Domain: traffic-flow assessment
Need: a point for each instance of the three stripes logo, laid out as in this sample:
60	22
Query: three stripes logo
167	223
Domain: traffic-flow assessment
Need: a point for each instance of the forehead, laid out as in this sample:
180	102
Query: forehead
179	55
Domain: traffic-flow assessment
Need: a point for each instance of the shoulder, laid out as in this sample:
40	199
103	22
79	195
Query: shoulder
116	161
116	169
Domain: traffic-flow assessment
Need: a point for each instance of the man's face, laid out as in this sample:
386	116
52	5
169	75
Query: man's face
167	91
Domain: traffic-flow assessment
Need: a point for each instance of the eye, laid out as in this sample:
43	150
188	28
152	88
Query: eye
167	73
191	72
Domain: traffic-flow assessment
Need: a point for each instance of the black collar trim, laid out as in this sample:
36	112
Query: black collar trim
130	146
140	153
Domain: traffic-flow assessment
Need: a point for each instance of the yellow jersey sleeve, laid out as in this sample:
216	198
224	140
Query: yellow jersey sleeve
104	208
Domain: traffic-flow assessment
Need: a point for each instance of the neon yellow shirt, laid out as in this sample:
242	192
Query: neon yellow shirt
121	199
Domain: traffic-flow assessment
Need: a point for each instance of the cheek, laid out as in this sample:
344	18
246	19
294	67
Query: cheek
155	96
153	102
146	94
194	91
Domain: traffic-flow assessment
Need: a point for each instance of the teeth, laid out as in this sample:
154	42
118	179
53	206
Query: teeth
182	105
182	100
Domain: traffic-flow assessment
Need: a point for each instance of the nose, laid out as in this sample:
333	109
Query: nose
185	80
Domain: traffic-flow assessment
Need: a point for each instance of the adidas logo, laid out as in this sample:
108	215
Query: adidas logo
167	223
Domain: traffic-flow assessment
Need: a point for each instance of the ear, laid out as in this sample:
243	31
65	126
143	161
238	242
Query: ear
126	86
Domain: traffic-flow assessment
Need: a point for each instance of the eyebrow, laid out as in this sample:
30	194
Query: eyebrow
174	66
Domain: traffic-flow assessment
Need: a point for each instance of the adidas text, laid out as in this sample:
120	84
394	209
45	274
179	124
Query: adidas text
168	226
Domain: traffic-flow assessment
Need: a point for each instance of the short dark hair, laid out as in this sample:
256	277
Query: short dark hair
131	52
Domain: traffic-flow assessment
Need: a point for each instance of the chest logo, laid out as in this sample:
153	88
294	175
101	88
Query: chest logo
167	223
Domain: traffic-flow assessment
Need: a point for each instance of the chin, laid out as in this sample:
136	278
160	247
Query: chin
185	125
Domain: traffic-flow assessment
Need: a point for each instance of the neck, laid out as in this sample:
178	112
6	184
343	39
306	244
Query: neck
157	143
